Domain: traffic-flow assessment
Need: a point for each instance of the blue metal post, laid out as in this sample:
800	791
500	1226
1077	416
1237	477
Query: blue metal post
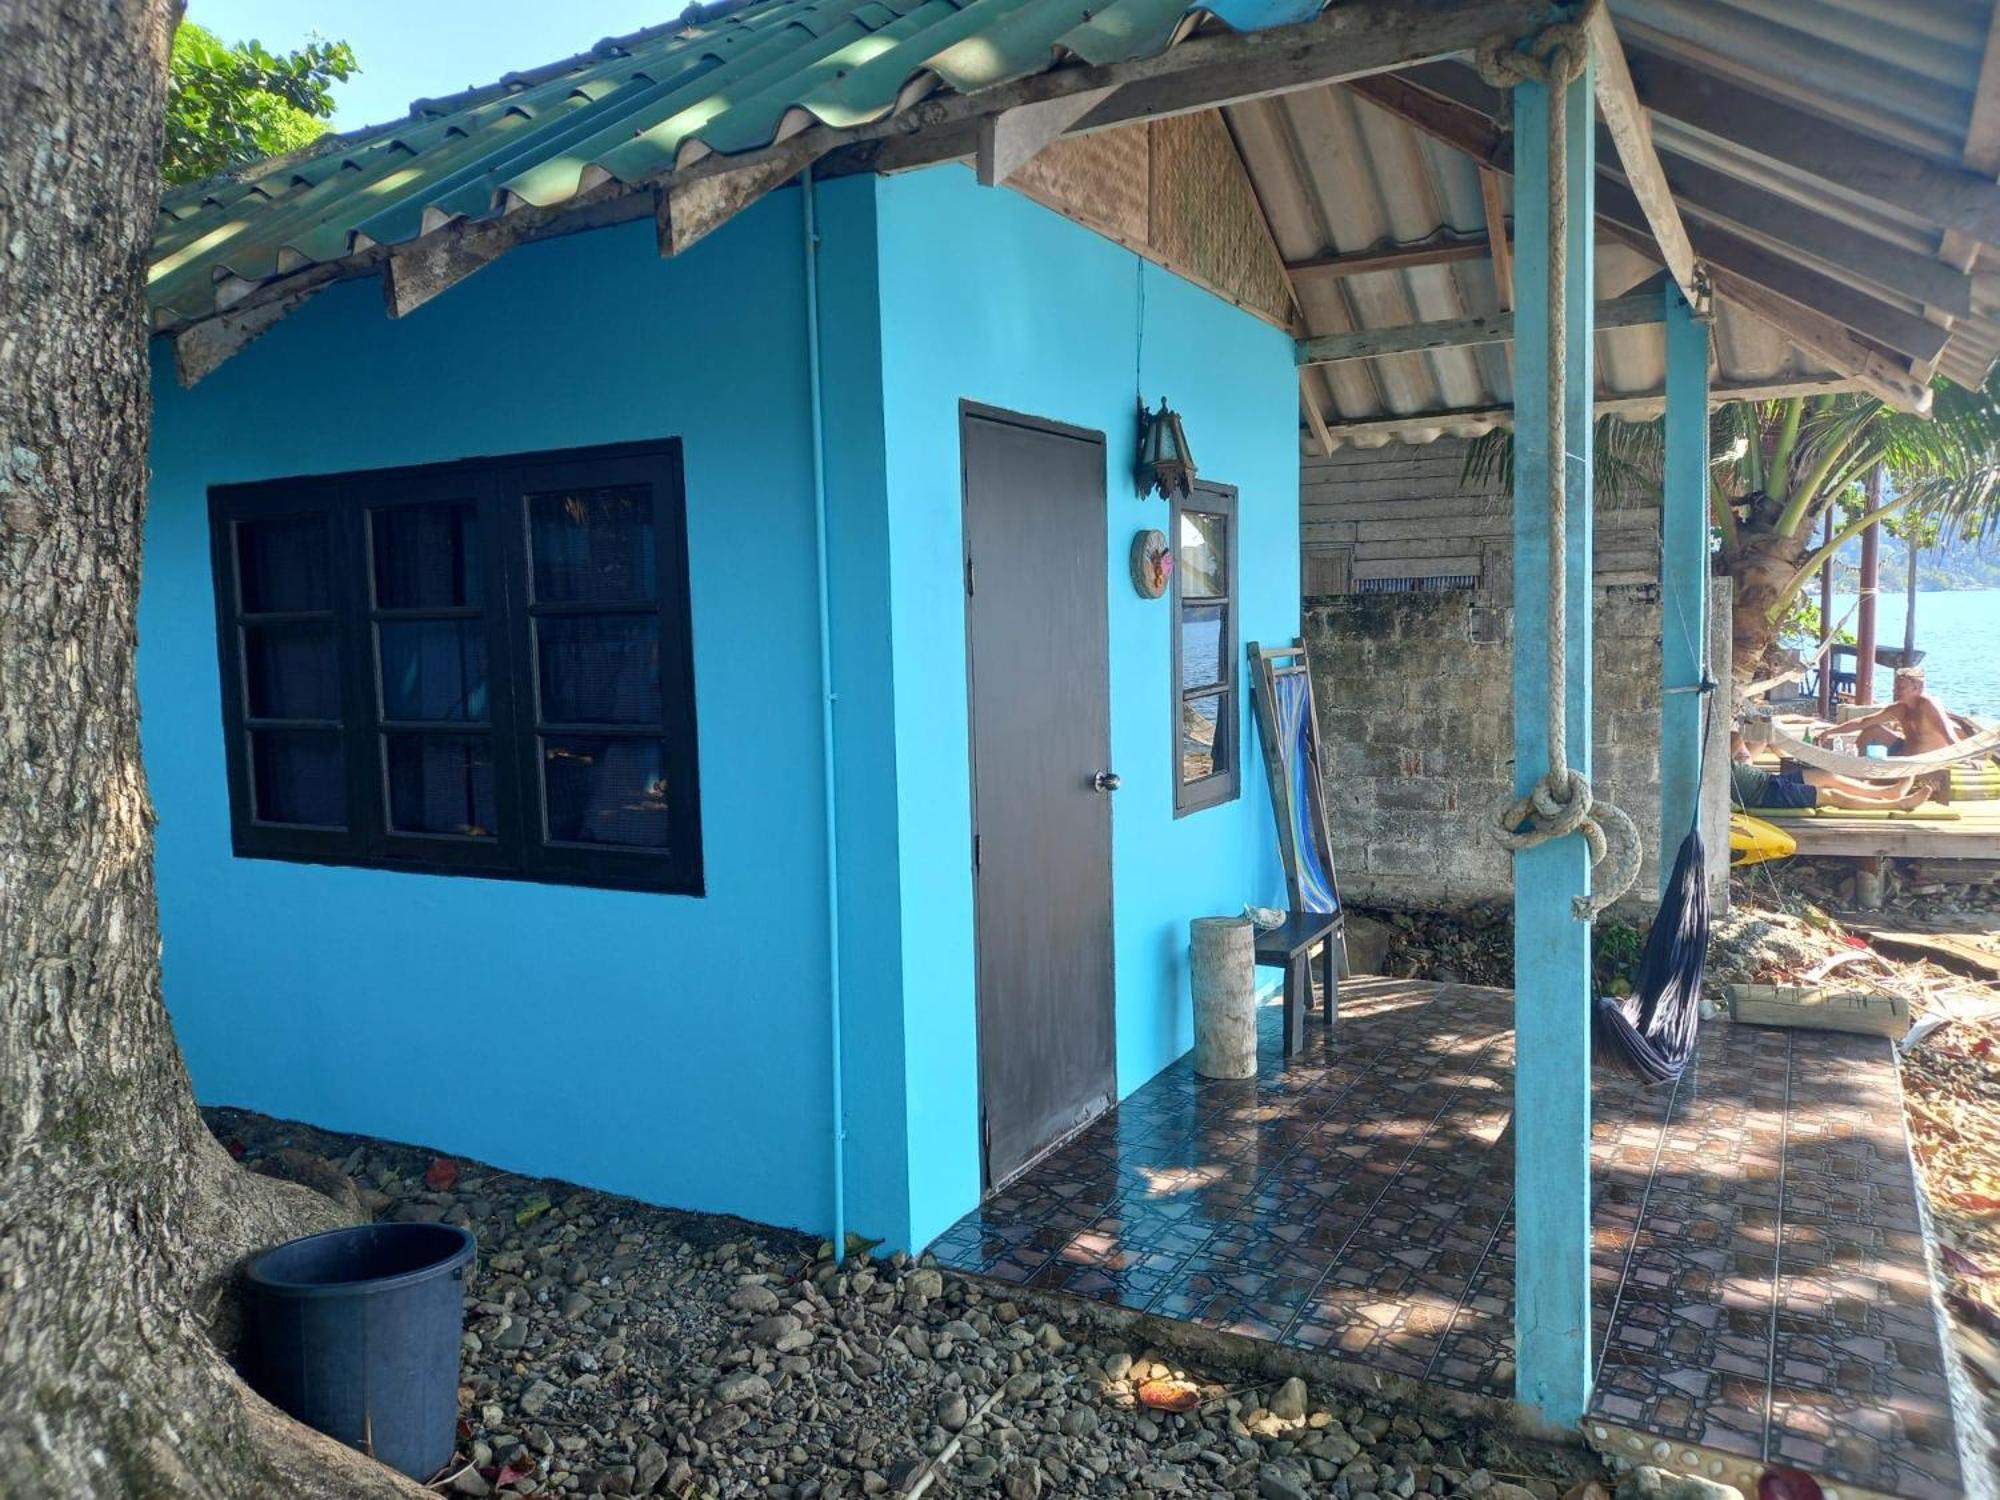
1683	576
1554	1367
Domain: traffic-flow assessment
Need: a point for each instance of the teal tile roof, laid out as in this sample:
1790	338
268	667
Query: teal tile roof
725	80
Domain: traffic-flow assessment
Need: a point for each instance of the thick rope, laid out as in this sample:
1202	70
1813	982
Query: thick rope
1561	803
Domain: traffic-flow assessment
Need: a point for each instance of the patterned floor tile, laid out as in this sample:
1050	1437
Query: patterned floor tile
1759	1282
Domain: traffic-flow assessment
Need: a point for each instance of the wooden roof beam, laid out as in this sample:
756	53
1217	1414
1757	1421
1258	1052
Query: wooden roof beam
1896	329
1495	207
1950	197
1632	134
1640	404
1442	248
1009	140
1844	249
1469	130
1455	333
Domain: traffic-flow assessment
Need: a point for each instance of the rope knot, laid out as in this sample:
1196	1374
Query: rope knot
1560	804
1554	56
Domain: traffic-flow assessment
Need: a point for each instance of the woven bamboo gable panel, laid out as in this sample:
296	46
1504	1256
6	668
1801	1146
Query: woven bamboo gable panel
1103	180
1175	191
1206	218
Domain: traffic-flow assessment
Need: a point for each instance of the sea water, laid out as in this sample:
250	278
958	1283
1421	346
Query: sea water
1958	630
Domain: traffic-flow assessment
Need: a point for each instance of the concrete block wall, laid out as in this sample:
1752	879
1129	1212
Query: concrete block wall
1416	711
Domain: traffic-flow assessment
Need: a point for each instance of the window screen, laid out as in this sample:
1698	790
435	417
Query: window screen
1206	700
480	667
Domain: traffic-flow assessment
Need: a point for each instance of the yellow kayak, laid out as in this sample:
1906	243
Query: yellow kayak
1752	841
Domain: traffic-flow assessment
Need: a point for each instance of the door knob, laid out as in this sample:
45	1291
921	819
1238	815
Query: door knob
1106	781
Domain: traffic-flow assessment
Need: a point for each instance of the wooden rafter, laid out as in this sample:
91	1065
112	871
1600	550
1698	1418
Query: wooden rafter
1442	248
1308	401
1632	134
1471	131
1982	134
1492	201
1637	404
1453	333
1009	140
1721	248
1846	159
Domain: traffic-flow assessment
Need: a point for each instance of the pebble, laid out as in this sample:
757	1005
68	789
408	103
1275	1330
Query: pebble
617	1349
1289	1402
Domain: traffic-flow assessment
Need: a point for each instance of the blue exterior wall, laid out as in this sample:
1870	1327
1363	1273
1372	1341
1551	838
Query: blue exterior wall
989	297
666	1046
670	1047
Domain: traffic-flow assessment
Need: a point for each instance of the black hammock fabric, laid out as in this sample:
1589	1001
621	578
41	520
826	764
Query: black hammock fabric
1651	1032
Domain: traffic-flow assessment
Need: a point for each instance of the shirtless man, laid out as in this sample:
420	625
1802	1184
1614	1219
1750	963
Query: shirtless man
1911	723
1751	787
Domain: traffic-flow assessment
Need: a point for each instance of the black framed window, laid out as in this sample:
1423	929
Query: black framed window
482	667
1202	530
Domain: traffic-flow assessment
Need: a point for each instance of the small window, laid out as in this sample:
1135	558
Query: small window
480	667
1206	702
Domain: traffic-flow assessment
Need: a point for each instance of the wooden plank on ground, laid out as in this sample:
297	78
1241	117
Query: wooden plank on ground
1871	1013
1977	954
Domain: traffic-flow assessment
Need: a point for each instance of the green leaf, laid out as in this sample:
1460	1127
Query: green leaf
230	106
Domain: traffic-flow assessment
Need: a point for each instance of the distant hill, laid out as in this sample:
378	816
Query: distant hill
1959	565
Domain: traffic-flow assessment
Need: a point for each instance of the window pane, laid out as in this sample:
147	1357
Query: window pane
606	791
1204	558
599	669
441	783
1204	736
283	562
1201	644
291	672
433	670
592	546
427	556
298	776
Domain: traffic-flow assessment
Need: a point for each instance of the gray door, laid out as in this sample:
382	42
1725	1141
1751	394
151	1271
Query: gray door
1041	741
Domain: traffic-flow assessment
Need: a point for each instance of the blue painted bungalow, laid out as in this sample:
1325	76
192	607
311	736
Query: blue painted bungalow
649	669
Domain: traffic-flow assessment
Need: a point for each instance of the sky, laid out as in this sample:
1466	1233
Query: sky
412	49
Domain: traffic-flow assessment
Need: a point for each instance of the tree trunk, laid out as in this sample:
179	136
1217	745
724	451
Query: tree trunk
121	1220
1760	563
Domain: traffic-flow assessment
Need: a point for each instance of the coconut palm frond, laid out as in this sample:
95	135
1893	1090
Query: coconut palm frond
1628	457
1950	464
1489	460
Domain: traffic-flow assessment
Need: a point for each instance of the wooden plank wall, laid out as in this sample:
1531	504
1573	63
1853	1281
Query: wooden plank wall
1407	512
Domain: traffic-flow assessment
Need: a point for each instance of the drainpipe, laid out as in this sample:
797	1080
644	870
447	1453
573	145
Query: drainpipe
828	760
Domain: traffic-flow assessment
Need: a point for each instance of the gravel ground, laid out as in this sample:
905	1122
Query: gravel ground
613	1348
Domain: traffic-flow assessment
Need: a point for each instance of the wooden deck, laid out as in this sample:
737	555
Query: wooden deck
1975	834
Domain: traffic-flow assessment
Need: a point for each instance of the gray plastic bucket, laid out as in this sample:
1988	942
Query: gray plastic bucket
356	1332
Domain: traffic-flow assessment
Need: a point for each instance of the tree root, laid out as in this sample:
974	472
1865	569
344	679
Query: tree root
113	1377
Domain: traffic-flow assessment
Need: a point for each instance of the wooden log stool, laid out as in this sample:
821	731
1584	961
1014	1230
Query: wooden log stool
1289	946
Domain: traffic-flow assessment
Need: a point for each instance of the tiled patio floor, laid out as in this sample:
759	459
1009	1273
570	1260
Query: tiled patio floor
1761	1283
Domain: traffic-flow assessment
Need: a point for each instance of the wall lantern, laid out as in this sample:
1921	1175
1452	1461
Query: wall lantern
1166	464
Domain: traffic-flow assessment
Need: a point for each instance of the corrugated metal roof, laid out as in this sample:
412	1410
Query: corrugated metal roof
1338	175
1334	172
726	81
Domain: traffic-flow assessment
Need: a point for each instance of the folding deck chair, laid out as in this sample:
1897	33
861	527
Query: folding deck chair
1288	726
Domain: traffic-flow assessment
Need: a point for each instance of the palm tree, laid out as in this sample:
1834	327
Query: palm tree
1777	467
